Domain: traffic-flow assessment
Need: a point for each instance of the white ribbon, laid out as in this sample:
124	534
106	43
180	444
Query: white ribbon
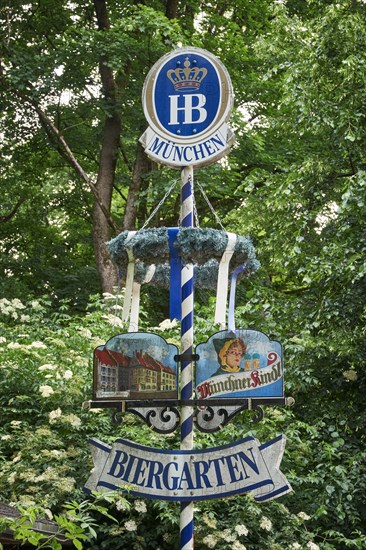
223	281
129	279
135	303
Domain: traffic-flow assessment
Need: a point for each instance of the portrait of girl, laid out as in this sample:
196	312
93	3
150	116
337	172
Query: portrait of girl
230	352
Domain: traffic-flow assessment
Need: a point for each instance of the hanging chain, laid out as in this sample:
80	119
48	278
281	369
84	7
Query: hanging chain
195	213
159	205
117	297
194	207
211	207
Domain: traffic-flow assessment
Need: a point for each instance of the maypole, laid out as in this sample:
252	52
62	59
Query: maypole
187	100
187	286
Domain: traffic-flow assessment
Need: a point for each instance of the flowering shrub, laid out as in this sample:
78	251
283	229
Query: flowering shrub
46	375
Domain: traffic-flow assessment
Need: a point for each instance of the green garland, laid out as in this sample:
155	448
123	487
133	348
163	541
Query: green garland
202	247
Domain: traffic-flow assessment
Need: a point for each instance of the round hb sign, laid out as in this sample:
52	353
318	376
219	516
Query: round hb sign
187	99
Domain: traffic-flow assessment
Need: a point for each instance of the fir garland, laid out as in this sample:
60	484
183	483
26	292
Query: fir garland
202	247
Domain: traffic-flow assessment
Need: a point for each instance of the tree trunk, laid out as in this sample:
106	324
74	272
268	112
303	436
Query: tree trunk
171	9
107	162
140	169
104	185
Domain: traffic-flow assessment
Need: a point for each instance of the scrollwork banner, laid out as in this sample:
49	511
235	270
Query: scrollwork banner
190	475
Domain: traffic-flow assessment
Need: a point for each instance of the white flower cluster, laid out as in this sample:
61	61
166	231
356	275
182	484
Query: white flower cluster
140	506
78	359
26	347
46	391
85	332
47	366
14	345
73	420
350	375
17	458
108	296
167	324
303	516
121	505
228	535
53	415
130	525
113	320
39	345
11	308
209	521
210	541
11	478
241	530
65	484
45	432
312	546
52	474
54	454
115	531
265	523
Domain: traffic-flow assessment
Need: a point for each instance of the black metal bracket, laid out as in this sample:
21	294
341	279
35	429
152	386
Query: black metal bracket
179	358
209	415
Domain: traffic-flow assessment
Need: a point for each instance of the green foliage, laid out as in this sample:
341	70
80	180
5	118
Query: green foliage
294	182
76	523
46	375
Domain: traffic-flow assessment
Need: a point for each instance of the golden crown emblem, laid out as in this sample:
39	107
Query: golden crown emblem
188	78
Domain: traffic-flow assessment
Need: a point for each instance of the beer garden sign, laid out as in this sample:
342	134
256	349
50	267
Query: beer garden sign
187	100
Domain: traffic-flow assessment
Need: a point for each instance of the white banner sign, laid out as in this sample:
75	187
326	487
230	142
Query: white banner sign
166	151
190	475
241	381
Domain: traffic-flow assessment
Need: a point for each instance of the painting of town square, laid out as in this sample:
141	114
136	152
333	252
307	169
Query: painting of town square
135	366
240	363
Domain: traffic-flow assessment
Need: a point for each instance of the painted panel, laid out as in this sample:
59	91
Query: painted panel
240	363
137	365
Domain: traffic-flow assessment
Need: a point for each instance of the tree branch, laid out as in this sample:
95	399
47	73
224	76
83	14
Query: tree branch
119	192
124	155
12	213
55	136
69	156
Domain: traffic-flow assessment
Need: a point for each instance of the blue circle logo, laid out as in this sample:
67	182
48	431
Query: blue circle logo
187	99
187	95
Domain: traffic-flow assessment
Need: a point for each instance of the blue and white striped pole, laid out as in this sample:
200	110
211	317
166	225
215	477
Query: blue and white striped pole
186	433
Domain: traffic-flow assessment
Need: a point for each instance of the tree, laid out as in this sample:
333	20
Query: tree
303	202
50	52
